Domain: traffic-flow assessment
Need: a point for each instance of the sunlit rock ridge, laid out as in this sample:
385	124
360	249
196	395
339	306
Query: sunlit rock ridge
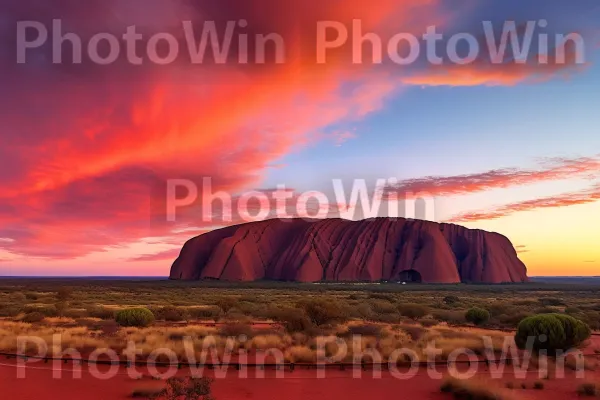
381	249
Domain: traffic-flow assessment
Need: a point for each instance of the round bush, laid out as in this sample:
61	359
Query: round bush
139	317
561	332
477	316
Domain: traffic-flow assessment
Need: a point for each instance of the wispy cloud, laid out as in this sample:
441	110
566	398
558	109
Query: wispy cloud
162	256
587	196
552	169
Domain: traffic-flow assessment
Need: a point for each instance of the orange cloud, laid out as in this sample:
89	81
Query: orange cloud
89	158
561	63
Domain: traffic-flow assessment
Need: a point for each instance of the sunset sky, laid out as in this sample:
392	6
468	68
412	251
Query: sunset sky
86	149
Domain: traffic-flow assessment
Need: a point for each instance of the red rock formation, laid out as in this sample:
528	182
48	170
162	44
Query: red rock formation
340	250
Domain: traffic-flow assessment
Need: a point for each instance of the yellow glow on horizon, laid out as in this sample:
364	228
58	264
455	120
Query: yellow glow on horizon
559	241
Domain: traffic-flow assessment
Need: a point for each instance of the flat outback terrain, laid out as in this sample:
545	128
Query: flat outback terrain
260	340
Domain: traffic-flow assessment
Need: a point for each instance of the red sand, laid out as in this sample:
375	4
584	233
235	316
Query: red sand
298	385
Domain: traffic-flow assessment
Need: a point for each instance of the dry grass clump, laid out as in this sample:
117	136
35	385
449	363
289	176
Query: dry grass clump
77	338
300	354
266	342
576	361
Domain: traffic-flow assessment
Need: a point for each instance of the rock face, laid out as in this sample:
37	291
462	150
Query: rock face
382	249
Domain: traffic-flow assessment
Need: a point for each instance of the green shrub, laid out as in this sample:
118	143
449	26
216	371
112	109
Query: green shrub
562	332
477	316
413	311
139	317
538	385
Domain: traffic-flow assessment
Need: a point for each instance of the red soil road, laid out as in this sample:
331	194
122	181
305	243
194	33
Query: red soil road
39	384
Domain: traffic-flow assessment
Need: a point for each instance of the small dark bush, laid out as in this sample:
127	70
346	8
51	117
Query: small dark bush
450	317
464	389
499	309
451	300
551	302
139	317
101	312
323	311
588	390
74	313
205	312
61	308
64	294
414	331
47	311
512	319
355	297
187	388
428	323
293	319
17	297
562	332
33	317
170	314
9	310
572	310
363	330
545	310
226	303
538	385
413	311
32	296
477	316
236	330
382	296
379	306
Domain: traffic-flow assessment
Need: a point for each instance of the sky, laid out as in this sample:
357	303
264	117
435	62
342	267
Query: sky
88	150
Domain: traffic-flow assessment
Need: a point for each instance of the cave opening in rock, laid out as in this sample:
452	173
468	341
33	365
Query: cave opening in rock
411	276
